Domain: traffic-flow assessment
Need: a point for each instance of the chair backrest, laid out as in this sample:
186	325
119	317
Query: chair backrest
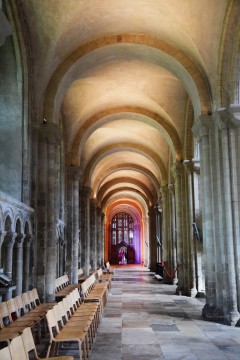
12	308
57	315
17	349
26	302
80	272
19	305
52	323
28	341
5	314
5	354
36	296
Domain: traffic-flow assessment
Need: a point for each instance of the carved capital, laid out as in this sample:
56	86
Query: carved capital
177	169
75	172
50	133
5	28
202	126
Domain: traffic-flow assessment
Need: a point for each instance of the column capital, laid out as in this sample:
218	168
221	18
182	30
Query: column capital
49	133
6	29
202	125
86	191
229	117
75	171
177	169
163	190
188	166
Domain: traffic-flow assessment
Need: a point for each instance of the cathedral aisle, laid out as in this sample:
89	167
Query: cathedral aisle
145	320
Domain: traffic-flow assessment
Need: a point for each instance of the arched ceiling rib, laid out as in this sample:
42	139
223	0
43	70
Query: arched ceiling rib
147	117
118	181
105	174
119	75
110	149
172	58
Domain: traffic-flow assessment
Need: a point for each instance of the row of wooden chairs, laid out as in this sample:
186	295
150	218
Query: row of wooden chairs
23	311
21	348
63	286
100	276
93	290
73	321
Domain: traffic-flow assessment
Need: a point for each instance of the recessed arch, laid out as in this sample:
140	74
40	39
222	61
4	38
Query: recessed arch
154	119
110	149
109	184
128	166
195	70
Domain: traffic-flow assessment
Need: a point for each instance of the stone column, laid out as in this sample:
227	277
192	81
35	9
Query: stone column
26	265
165	235
152	239
192	250
102	237
99	238
177	170
2	236
228	165
8	259
146	231
72	233
173	233
85	228
203	129
19	263
93	232
49	137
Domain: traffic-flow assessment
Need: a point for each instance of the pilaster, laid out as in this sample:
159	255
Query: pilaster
85	193
49	137
72	234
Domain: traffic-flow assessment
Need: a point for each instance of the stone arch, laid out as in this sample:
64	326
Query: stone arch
155	120
229	48
136	182
128	166
108	150
136	212
194	69
14	61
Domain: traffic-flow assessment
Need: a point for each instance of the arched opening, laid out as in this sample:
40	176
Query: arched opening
125	237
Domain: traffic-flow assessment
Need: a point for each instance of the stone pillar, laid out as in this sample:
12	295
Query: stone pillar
2	236
49	137
218	136
72	233
93	233
19	263
173	233
99	238
85	228
177	170
146	241
190	215
8	258
228	130
102	237
152	239
26	265
203	129
165	235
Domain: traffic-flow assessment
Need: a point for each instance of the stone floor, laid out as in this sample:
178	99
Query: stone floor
145	320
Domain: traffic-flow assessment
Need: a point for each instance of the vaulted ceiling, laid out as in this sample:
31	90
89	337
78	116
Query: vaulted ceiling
120	75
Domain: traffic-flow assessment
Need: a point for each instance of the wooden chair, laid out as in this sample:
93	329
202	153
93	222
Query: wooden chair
5	354
29	346
63	336
7	321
